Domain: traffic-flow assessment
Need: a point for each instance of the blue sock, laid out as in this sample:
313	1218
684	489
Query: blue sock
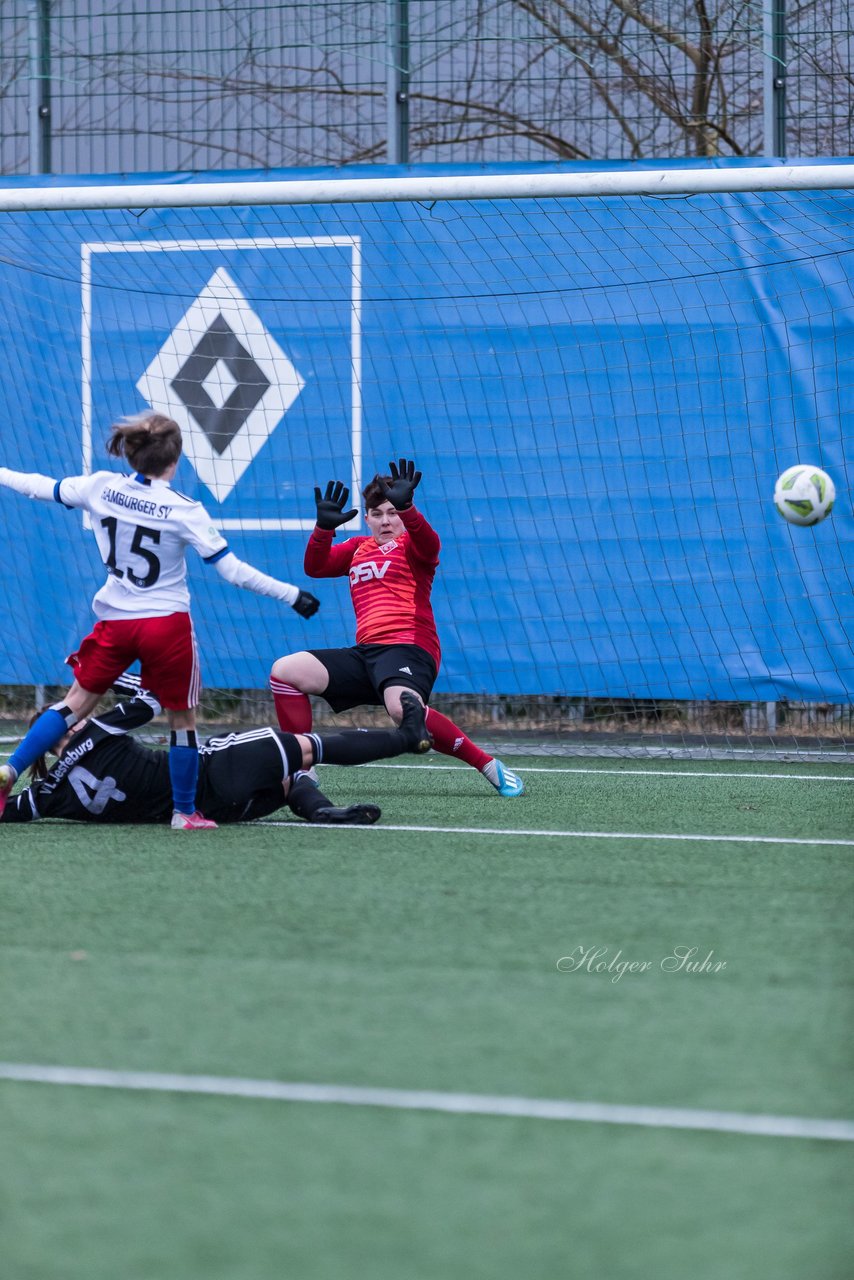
184	769
44	734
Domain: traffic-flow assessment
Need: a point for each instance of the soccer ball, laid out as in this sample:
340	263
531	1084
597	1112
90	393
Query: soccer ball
804	494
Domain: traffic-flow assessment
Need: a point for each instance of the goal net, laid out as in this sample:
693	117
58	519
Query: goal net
599	387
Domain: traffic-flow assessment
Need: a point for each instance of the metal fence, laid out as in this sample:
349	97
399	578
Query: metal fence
152	85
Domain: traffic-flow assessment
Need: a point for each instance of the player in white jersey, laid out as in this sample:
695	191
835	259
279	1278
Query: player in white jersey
143	528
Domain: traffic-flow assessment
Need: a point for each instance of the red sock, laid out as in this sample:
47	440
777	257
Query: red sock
293	709
451	740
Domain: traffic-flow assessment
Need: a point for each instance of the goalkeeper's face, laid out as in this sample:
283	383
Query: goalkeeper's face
384	523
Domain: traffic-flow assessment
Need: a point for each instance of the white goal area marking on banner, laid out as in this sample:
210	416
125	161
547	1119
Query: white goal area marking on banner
286	382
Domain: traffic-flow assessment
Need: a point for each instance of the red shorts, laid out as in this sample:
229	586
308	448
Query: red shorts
166	648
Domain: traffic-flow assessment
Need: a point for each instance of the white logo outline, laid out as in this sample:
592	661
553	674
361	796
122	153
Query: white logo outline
221	297
368	571
91	251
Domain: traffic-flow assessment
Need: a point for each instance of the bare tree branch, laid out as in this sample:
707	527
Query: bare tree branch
490	79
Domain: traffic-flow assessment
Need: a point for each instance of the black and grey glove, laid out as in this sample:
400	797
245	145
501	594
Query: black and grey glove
306	605
404	481
330	505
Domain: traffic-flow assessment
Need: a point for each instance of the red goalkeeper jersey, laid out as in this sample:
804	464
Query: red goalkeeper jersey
390	585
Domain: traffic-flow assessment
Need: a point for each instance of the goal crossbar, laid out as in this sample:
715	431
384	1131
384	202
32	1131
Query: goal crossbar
649	182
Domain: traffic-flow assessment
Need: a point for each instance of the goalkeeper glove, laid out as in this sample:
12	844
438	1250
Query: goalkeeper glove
330	506
404	481
306	605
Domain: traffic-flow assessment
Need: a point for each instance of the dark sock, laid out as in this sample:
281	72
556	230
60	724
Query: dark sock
305	798
358	746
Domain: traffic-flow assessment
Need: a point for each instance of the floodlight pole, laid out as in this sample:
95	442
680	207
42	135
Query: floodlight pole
774	77
397	151
38	20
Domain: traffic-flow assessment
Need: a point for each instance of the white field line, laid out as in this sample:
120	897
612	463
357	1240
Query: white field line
619	773
473	1104
567	835
625	773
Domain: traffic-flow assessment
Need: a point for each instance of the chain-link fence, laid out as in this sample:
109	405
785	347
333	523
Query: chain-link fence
148	85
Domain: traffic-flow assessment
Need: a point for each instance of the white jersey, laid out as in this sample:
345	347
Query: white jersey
143	528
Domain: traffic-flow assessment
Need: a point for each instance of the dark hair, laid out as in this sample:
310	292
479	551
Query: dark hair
373	492
151	442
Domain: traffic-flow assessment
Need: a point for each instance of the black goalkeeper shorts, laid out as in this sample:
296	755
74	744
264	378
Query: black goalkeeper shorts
359	675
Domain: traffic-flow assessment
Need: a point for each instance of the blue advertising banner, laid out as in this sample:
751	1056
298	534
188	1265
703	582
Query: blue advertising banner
600	394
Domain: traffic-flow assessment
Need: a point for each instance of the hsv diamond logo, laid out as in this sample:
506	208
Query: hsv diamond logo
225	380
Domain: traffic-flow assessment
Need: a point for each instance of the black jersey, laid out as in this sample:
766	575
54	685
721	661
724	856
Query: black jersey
105	775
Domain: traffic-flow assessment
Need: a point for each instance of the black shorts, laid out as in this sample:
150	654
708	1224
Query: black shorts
241	774
358	676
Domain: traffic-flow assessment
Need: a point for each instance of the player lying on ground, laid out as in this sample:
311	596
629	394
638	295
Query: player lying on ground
143	528
103	774
391	576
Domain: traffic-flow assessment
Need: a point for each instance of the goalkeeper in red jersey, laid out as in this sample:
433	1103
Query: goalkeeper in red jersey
391	573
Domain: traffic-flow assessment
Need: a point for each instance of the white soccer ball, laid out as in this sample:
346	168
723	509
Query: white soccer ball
804	494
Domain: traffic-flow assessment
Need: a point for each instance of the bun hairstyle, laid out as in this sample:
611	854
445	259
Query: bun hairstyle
151	442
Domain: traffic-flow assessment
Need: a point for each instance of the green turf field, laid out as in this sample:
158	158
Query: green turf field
395	958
